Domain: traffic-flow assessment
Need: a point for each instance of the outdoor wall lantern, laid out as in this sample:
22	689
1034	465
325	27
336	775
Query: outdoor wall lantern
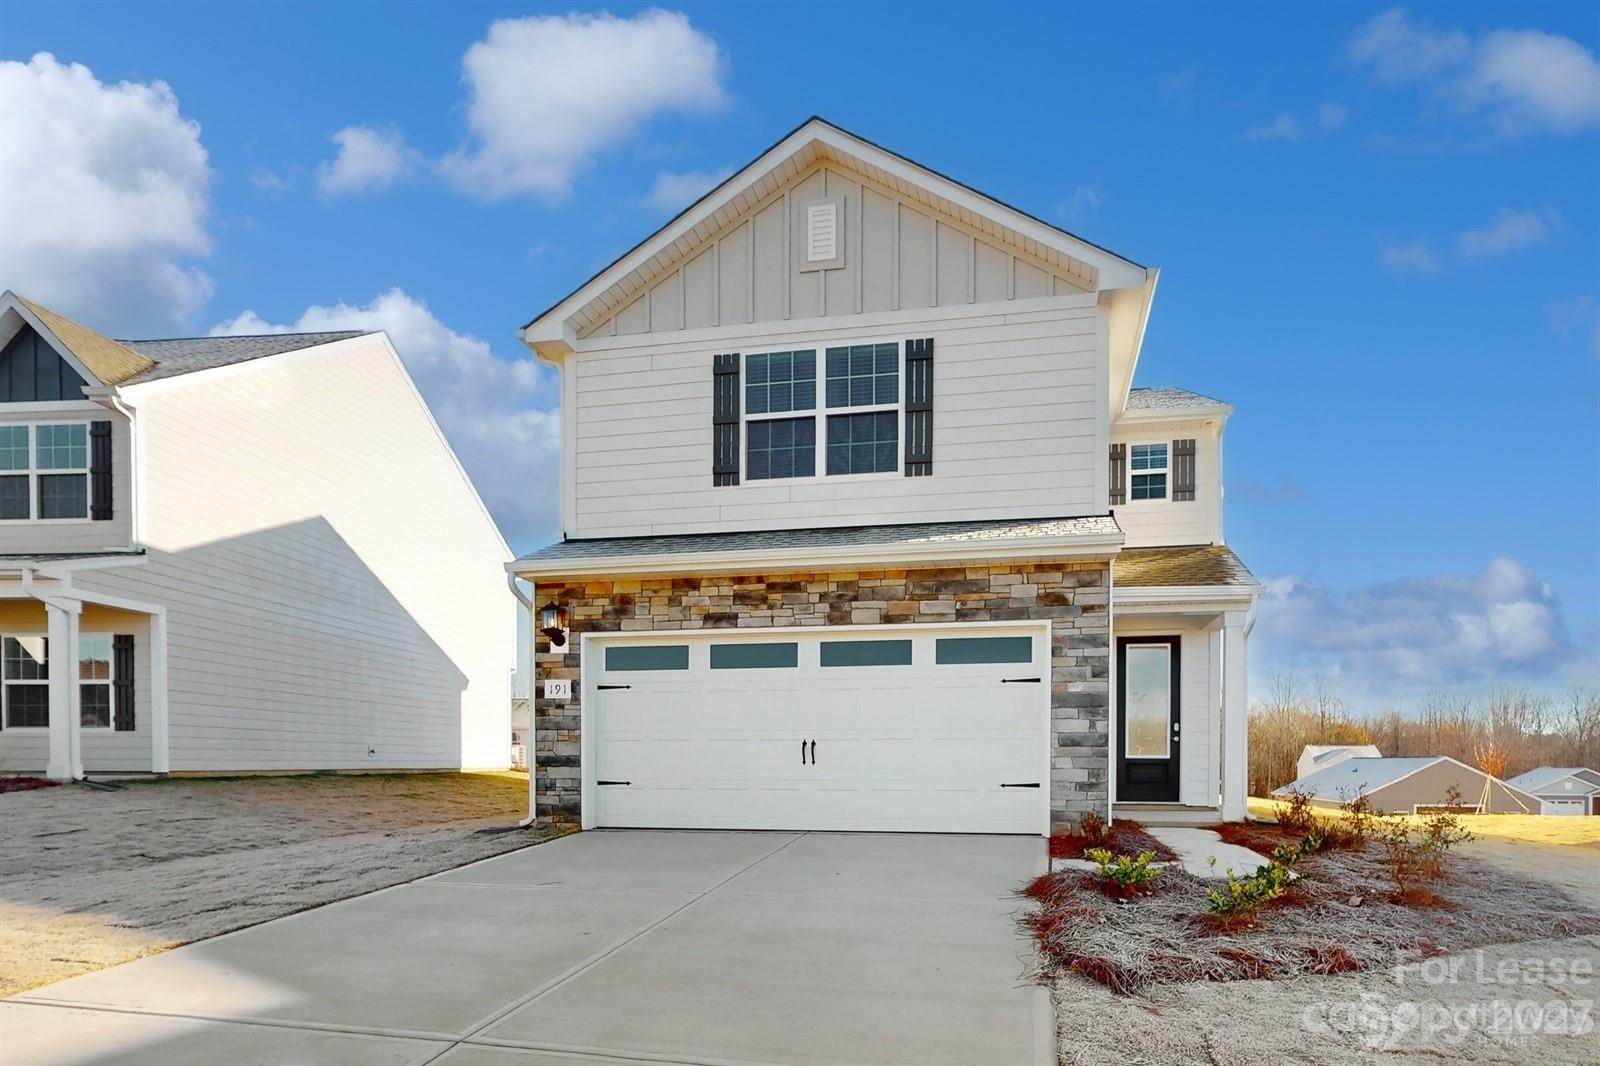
553	624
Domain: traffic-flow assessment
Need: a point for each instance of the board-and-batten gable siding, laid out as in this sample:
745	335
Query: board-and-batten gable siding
1199	695
898	255
331	583
20	537
1018	428
104	750
1169	522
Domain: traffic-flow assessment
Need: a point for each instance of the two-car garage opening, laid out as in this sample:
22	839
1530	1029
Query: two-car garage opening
939	729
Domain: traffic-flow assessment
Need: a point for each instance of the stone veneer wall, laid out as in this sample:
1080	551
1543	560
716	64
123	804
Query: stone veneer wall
1073	594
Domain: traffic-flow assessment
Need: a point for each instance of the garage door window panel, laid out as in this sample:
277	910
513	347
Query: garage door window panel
960	651
866	653
621	657
754	656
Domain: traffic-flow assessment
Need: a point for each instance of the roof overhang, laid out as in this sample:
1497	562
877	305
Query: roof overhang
552	334
818	559
1198	413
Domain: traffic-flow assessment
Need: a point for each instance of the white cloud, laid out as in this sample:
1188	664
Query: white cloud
1079	206
548	93
676	191
1331	116
1398	640
368	160
1414	256
1283	128
1509	231
495	412
1519	80
271	181
104	192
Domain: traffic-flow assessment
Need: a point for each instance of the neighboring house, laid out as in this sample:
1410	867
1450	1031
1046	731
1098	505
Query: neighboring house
1314	757
866	528
238	554
521	720
1562	789
1410	786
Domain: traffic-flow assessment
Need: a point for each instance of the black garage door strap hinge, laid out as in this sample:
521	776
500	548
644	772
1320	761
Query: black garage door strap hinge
613	782
1021	784
1009	681
603	688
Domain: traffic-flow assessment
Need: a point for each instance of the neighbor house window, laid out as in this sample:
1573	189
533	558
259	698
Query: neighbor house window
780	383
24	668
44	471
1148	472
865	378
94	680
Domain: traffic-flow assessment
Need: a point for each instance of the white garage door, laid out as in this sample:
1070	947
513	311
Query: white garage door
1564	806
893	730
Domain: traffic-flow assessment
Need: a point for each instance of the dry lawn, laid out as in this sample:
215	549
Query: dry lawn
1527	828
89	879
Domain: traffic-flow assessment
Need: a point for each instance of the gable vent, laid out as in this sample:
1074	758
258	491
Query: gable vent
822	232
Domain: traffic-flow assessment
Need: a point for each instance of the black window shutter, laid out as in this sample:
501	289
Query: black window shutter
122	682
1183	470
1119	474
919	407
99	471
725	419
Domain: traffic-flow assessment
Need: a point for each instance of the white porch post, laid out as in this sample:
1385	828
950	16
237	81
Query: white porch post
160	744
65	761
1236	717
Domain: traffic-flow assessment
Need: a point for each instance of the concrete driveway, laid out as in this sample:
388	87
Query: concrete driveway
599	949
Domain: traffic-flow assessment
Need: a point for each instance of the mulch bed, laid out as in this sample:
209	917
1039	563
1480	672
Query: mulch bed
1342	915
1121	837
24	784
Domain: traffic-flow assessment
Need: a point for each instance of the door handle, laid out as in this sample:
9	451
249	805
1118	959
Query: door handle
802	753
813	753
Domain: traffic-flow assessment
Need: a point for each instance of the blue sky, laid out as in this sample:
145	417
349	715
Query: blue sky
1378	231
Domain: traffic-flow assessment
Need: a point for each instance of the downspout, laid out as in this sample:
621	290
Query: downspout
1113	733
533	684
135	467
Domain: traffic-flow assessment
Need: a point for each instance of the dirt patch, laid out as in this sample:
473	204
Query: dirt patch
89	879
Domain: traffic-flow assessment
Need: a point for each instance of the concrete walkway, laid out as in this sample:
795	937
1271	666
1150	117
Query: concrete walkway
600	949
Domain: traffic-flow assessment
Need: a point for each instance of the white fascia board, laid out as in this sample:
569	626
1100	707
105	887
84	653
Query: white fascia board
60	568
820	559
1194	597
1152	277
1210	412
1114	271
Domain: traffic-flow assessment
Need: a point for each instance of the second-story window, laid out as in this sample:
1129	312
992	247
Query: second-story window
1147	464
44	471
779	385
863	396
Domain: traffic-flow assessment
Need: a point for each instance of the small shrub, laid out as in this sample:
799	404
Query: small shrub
1092	828
1298	817
1361	821
1235	905
1129	875
1414	855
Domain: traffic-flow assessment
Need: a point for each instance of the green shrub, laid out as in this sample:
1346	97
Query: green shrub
1238	902
1414	854
1129	875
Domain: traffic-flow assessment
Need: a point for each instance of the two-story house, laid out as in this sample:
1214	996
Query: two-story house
238	554
866	528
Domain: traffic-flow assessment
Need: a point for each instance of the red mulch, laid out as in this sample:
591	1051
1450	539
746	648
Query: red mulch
23	784
1122	837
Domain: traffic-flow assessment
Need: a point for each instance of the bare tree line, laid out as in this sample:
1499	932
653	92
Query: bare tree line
1504	731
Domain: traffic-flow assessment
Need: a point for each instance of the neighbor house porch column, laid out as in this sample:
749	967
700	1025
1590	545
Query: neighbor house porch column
1235	716
65	761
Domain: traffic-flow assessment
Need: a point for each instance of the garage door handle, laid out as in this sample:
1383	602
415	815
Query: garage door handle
802	753
1021	680
813	753
1021	784
602	688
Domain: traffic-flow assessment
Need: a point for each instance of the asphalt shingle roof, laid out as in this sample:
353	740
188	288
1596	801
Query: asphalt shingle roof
1346	780
1207	564
112	362
1168	399
185	355
823	539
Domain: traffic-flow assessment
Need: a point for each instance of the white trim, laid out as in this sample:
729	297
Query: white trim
820	558
1149	471
1196	599
65	408
1207	413
1042	660
33	472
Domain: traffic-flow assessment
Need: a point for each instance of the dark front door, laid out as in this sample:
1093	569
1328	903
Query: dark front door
1147	719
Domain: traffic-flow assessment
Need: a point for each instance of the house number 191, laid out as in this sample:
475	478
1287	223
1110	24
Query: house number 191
558	688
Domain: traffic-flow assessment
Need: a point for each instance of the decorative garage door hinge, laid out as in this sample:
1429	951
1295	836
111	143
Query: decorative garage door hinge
603	688
613	782
1016	680
1020	784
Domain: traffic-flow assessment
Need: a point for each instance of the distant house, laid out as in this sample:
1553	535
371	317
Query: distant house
1321	756
238	554
1562	789
1410	786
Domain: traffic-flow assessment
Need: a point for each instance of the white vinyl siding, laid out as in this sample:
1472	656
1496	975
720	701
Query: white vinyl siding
335	594
1168	522
1019	416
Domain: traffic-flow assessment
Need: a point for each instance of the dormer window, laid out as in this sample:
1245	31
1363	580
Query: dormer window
1148	466
44	472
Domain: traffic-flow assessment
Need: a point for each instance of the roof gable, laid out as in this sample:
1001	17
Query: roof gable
97	359
816	145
